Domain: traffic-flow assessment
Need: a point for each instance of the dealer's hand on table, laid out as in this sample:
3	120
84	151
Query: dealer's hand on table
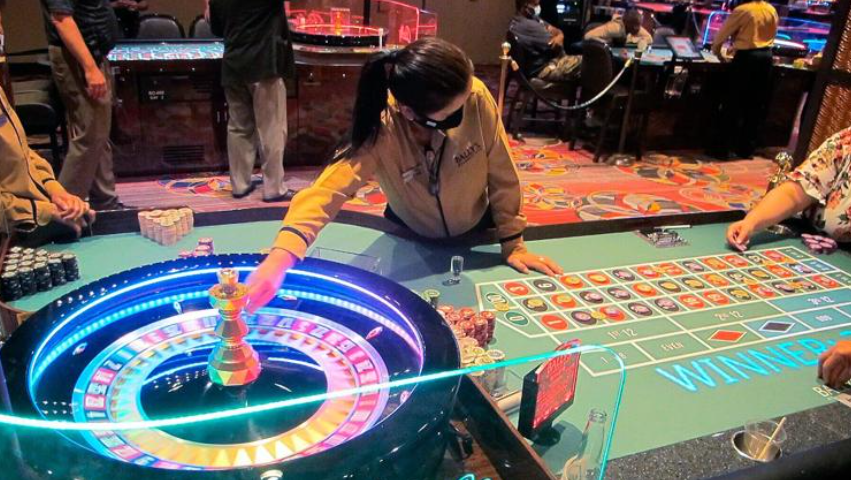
739	234
523	261
834	365
265	281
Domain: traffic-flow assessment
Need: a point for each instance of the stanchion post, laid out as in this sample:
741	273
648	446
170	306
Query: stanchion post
504	61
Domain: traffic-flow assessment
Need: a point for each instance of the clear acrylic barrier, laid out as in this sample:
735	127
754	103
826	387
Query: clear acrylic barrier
578	443
396	23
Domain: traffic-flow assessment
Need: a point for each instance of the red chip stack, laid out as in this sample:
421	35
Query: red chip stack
481	330
489	317
466	323
469	328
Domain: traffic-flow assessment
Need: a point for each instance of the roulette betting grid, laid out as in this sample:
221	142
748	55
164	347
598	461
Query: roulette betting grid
653	313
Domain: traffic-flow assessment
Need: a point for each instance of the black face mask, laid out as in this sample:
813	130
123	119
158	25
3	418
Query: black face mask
452	121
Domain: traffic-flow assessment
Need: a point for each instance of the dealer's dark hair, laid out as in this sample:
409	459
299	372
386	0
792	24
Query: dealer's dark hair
425	75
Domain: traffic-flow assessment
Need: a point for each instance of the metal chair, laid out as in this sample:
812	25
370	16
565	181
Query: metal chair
200	28
597	73
160	26
41	113
525	100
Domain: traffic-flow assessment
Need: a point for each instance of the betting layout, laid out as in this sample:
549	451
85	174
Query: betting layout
653	313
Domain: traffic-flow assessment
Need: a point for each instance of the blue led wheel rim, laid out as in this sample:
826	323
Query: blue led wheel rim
77	322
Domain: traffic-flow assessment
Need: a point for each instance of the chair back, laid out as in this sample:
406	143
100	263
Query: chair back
661	34
519	54
160	26
597	68
200	28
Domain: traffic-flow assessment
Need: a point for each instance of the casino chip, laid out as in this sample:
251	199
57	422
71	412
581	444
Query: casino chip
583	317
640	309
667	305
669	286
623	275
572	281
535	304
592	297
598	278
619	293
563	300
693	266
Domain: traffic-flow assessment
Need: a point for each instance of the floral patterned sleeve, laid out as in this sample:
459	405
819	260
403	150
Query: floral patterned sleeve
819	173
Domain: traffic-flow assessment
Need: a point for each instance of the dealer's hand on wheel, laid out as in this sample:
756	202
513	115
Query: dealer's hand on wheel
265	281
524	261
834	365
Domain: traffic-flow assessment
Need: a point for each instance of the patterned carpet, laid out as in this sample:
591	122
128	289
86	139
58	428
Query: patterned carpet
559	187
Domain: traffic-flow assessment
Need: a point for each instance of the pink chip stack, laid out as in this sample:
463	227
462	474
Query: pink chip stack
818	244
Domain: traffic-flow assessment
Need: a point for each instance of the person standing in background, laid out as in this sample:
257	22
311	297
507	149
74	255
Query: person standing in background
752	27
258	56
127	12
81	34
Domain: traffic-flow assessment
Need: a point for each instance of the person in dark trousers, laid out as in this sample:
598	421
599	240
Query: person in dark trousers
258	56
543	45
128	14
80	35
752	28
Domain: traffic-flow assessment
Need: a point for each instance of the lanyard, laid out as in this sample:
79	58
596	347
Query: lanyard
433	164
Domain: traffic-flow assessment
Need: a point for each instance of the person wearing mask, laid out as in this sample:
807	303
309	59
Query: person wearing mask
258	56
623	30
752	28
543	45
430	132
81	33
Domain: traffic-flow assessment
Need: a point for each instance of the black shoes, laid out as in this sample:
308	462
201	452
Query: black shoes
245	193
287	196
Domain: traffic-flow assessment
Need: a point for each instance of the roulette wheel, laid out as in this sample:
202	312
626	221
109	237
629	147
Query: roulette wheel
133	370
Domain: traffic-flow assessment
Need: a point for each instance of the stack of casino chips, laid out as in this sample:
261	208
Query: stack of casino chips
204	248
166	227
466	323
27	271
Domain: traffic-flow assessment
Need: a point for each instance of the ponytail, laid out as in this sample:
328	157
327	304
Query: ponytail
371	101
426	75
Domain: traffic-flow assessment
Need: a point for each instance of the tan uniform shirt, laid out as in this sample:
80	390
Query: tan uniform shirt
752	25
26	179
476	171
615	30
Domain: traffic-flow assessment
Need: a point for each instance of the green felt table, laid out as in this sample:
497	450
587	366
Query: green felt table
684	379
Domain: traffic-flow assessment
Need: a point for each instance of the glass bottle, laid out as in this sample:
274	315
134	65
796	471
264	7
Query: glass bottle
587	464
